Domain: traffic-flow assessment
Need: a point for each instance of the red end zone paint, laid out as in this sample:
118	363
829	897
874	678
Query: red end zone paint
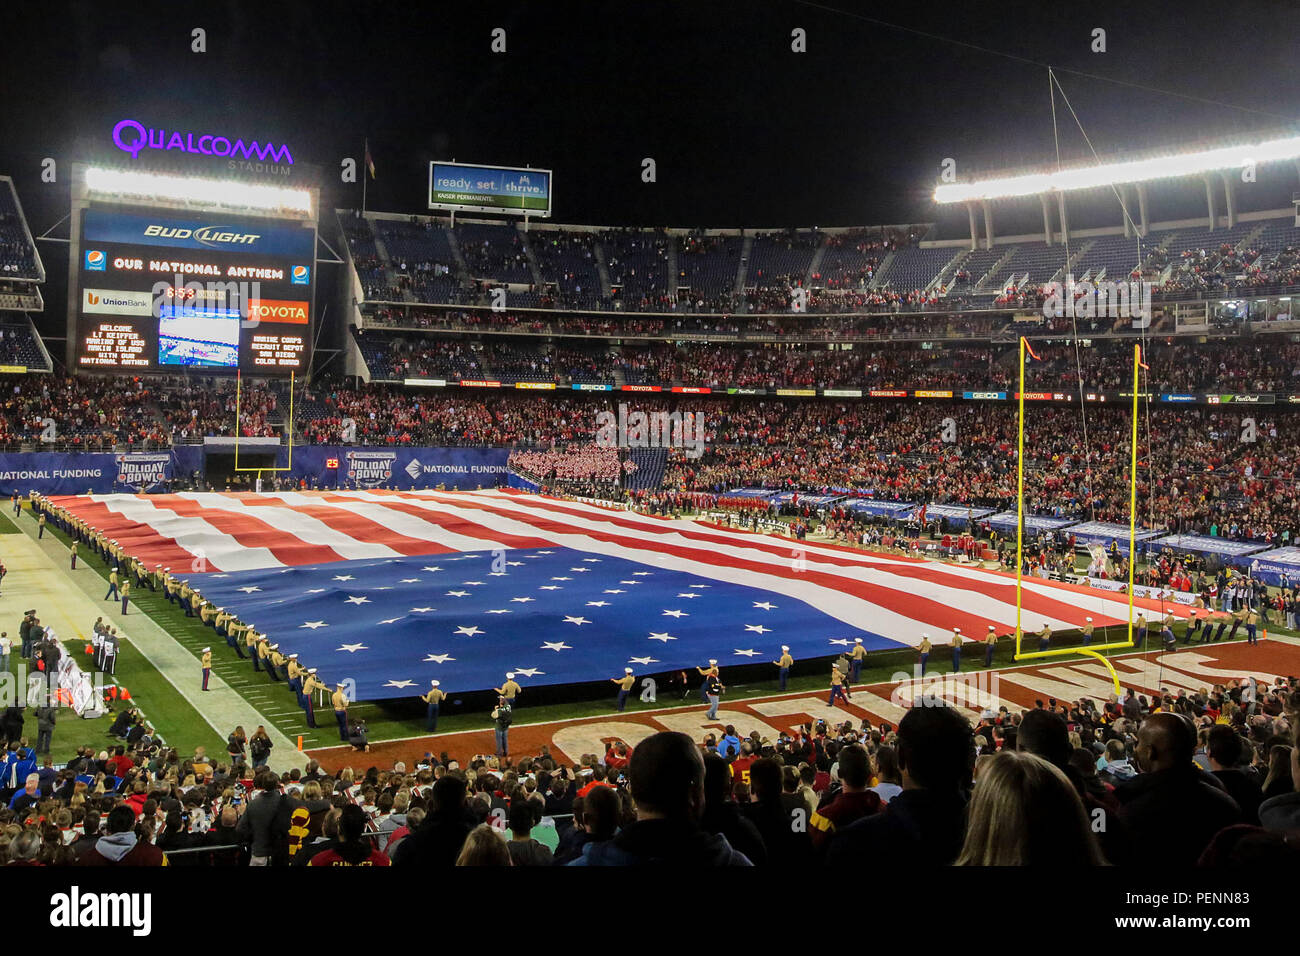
1189	668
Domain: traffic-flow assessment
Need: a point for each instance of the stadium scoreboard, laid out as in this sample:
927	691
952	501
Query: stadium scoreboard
159	289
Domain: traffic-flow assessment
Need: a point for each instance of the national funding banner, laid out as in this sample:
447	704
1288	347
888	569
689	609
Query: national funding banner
342	466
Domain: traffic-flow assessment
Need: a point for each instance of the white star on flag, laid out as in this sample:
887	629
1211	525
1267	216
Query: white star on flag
522	600
342	577
747	653
514	564
545	552
576	620
498	611
353	648
496	574
757	628
528	671
614	591
699	585
561	579
642	660
471	583
842	641
399	684
630	582
420	610
688	594
250	589
641	574
550	587
439	658
457	594
409	581
597	604
765	605
469	631
315	591
556	646
430	569
661	636
391	620
581	570
221	575
313	624
675	613
357	600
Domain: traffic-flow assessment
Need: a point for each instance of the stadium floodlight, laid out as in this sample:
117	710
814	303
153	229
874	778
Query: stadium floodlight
1118	174
223	192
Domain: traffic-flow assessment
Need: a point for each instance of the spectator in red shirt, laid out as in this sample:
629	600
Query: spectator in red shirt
854	802
355	848
120	763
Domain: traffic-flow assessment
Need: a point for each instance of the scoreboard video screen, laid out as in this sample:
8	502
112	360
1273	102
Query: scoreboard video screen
166	290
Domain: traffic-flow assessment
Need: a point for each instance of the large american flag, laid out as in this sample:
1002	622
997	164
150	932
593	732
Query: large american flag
393	589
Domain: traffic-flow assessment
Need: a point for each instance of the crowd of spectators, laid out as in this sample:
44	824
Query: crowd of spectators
1208	777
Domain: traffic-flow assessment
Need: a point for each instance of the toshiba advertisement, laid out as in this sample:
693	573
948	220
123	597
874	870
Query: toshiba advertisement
166	291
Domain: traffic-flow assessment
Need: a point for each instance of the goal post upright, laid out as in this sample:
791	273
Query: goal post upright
1094	650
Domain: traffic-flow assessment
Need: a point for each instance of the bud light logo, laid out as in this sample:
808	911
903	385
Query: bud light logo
96	260
301	275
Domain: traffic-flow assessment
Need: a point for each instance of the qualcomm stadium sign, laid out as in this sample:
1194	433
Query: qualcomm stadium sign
131	136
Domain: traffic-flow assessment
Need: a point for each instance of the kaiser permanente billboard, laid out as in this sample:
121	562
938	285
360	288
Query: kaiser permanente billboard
502	189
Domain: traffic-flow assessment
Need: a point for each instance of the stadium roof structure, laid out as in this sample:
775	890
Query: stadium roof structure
1230	163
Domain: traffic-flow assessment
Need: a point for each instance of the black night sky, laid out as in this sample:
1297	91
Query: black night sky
744	131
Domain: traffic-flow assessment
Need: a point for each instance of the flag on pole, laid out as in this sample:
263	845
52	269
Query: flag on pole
370	163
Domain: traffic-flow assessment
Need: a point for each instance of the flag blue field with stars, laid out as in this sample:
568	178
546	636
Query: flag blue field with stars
552	616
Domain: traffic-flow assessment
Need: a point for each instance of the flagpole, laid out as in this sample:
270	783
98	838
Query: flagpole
364	153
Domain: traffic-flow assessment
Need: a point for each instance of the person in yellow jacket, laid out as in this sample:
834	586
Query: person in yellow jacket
207	666
855	664
955	644
1044	637
990	646
126	594
262	660
1087	632
923	649
276	660
509	690
1252	621
837	686
111	594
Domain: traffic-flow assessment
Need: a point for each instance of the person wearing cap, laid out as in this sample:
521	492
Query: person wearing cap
711	672
250	642
509	690
293	674
855	665
1044	637
274	662
955	644
624	688
111	594
990	645
340	702
924	649
1252	621
72	554
259	647
1193	625
785	663
126	594
433	703
1087	632
208	614
172	587
196	605
837	686
207	666
310	685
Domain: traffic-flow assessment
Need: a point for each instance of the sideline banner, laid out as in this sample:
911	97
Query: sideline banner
58	473
344	466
